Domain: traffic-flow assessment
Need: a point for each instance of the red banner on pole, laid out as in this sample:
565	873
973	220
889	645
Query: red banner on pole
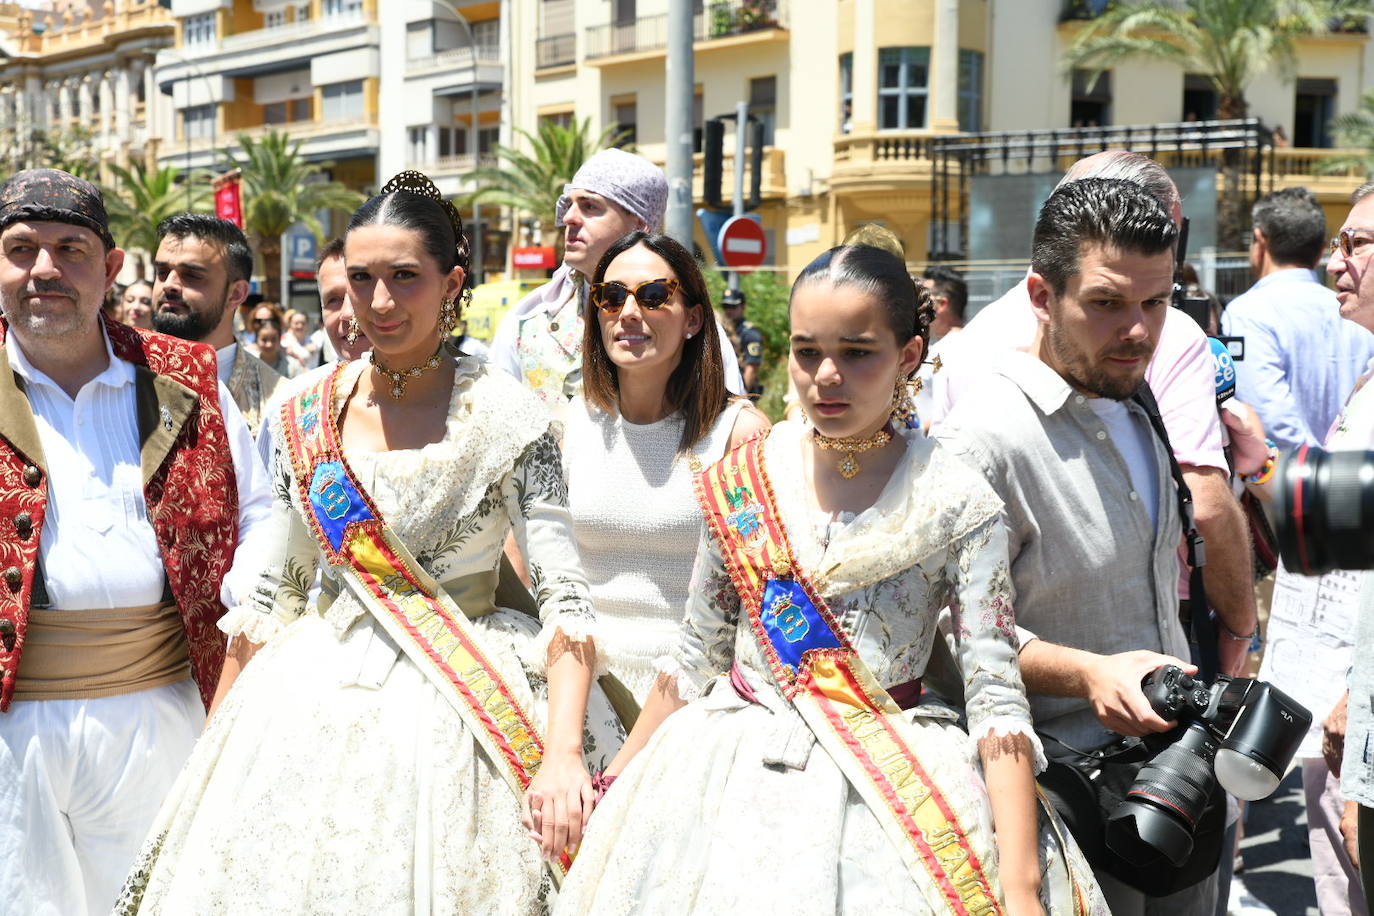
229	198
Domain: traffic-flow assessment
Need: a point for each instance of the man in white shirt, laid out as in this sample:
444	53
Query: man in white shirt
129	484
201	273
539	341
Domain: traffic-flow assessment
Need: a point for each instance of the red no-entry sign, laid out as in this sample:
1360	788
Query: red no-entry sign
742	243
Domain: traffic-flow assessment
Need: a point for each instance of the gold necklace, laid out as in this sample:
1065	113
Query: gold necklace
399	379
852	445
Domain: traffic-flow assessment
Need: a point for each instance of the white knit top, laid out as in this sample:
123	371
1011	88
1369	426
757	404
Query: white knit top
637	525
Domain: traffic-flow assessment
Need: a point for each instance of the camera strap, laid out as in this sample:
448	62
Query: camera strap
1199	620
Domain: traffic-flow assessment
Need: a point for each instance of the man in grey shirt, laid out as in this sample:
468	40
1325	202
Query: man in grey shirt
1091	509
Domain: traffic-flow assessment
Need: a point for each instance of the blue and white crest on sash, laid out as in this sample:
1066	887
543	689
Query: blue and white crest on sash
792	623
335	501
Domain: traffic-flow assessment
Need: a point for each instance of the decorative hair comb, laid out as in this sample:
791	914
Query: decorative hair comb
414	182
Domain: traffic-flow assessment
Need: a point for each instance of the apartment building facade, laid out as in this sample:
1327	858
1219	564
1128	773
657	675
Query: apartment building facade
853	92
83	73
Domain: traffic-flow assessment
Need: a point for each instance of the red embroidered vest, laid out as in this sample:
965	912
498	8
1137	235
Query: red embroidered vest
192	502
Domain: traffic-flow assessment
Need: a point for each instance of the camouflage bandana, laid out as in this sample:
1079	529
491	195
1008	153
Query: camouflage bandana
53	196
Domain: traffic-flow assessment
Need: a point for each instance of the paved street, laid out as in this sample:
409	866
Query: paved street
1278	869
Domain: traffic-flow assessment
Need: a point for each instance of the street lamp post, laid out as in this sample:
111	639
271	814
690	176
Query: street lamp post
186	122
475	265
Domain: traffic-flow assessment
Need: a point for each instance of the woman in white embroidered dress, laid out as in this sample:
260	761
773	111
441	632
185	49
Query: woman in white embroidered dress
334	777
653	408
729	806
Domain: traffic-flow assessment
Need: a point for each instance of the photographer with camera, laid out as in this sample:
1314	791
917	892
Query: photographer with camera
1093	539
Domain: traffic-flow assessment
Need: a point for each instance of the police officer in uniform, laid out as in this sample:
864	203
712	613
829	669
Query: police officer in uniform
748	341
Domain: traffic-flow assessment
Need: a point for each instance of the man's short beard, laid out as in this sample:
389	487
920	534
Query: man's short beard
195	324
1074	367
30	322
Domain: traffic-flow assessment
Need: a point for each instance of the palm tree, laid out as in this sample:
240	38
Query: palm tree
1354	131
281	188
1231	41
532	182
141	199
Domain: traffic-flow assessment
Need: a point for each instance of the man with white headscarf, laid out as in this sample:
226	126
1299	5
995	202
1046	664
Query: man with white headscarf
539	341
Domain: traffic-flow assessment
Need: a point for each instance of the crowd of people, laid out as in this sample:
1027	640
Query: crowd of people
364	619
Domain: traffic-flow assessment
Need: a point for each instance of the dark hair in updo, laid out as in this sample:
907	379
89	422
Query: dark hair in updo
882	276
411	201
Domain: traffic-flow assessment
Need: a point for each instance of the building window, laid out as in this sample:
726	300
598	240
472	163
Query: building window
763	104
970	90
452	142
343	101
1314	107
274	19
301	12
1091	102
198	30
417	144
198	122
487	138
337	9
286	112
1199	97
903	75
486	35
625	115
419	39
560	118
846	92
698	120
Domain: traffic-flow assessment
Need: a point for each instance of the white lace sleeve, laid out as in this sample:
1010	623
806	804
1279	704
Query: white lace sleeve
706	646
985	636
536	498
287	559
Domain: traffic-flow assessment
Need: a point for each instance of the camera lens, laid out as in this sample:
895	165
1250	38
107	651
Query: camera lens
1162	807
1324	508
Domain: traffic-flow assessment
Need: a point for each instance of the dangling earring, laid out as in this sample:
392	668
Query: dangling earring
902	410
448	318
353	330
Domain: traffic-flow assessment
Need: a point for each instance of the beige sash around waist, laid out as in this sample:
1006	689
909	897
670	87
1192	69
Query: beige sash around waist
101	653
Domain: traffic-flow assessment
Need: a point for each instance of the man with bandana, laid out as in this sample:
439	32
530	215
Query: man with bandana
201	273
539	341
128	484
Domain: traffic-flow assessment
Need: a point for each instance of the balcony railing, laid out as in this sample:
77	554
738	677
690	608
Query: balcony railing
455	57
290	32
555	51
717	20
296	130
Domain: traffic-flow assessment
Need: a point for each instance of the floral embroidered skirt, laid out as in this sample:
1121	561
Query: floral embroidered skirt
733	808
334	778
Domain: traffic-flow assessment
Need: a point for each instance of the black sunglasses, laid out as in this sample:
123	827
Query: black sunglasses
651	294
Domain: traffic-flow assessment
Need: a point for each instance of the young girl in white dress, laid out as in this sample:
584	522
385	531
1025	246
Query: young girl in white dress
854	527
339	772
654	409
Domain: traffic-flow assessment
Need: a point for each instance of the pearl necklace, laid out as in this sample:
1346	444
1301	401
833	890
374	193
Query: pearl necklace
851	445
399	379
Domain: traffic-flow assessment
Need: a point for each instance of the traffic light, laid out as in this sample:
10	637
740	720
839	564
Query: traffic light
755	164
712	151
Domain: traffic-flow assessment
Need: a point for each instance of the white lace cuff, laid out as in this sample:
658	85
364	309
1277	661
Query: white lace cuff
688	689
576	627
1005	727
252	624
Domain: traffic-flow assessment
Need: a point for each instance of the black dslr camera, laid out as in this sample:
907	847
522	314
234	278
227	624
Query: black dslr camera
1239	732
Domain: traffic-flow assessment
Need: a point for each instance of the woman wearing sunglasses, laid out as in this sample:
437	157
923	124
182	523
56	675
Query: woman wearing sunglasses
653	409
832	546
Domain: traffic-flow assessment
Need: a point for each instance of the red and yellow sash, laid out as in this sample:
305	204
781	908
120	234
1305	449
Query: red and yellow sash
405	599
818	670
